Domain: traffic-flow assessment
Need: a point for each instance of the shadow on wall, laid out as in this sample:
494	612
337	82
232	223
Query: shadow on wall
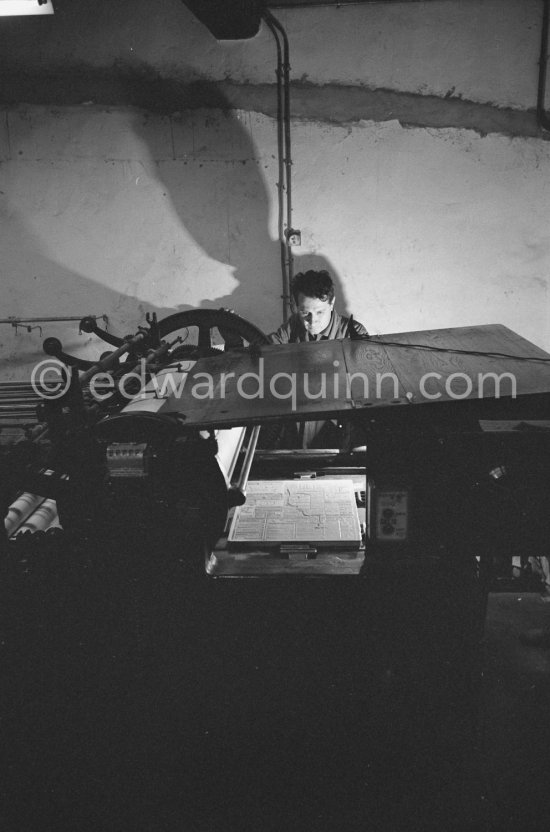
222	190
47	288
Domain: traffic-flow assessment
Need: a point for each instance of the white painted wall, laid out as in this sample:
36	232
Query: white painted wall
119	212
429	229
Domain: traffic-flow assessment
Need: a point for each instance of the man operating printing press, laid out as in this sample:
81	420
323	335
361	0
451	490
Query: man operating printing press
315	319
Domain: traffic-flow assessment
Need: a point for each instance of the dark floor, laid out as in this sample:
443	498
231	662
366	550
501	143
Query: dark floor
144	705
515	713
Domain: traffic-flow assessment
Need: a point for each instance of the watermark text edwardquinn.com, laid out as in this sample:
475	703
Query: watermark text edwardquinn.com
51	378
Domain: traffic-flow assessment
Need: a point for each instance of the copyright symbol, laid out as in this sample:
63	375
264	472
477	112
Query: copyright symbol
50	379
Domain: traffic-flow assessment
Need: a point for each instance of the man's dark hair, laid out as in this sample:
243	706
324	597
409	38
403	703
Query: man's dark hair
313	285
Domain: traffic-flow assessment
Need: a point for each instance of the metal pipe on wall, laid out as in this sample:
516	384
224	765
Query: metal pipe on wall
542	117
16	321
281	165
285	154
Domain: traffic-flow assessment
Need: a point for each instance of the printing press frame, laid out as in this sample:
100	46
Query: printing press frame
141	485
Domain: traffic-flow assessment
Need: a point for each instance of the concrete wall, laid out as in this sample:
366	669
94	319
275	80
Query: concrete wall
115	209
477	50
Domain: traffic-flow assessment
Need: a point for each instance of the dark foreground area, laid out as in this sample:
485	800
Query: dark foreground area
150	698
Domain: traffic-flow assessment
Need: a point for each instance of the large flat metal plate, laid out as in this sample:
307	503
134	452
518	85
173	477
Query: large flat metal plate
489	371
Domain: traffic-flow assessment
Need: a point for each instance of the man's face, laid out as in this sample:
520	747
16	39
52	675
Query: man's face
314	313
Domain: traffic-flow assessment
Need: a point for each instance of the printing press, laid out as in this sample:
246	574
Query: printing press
422	491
